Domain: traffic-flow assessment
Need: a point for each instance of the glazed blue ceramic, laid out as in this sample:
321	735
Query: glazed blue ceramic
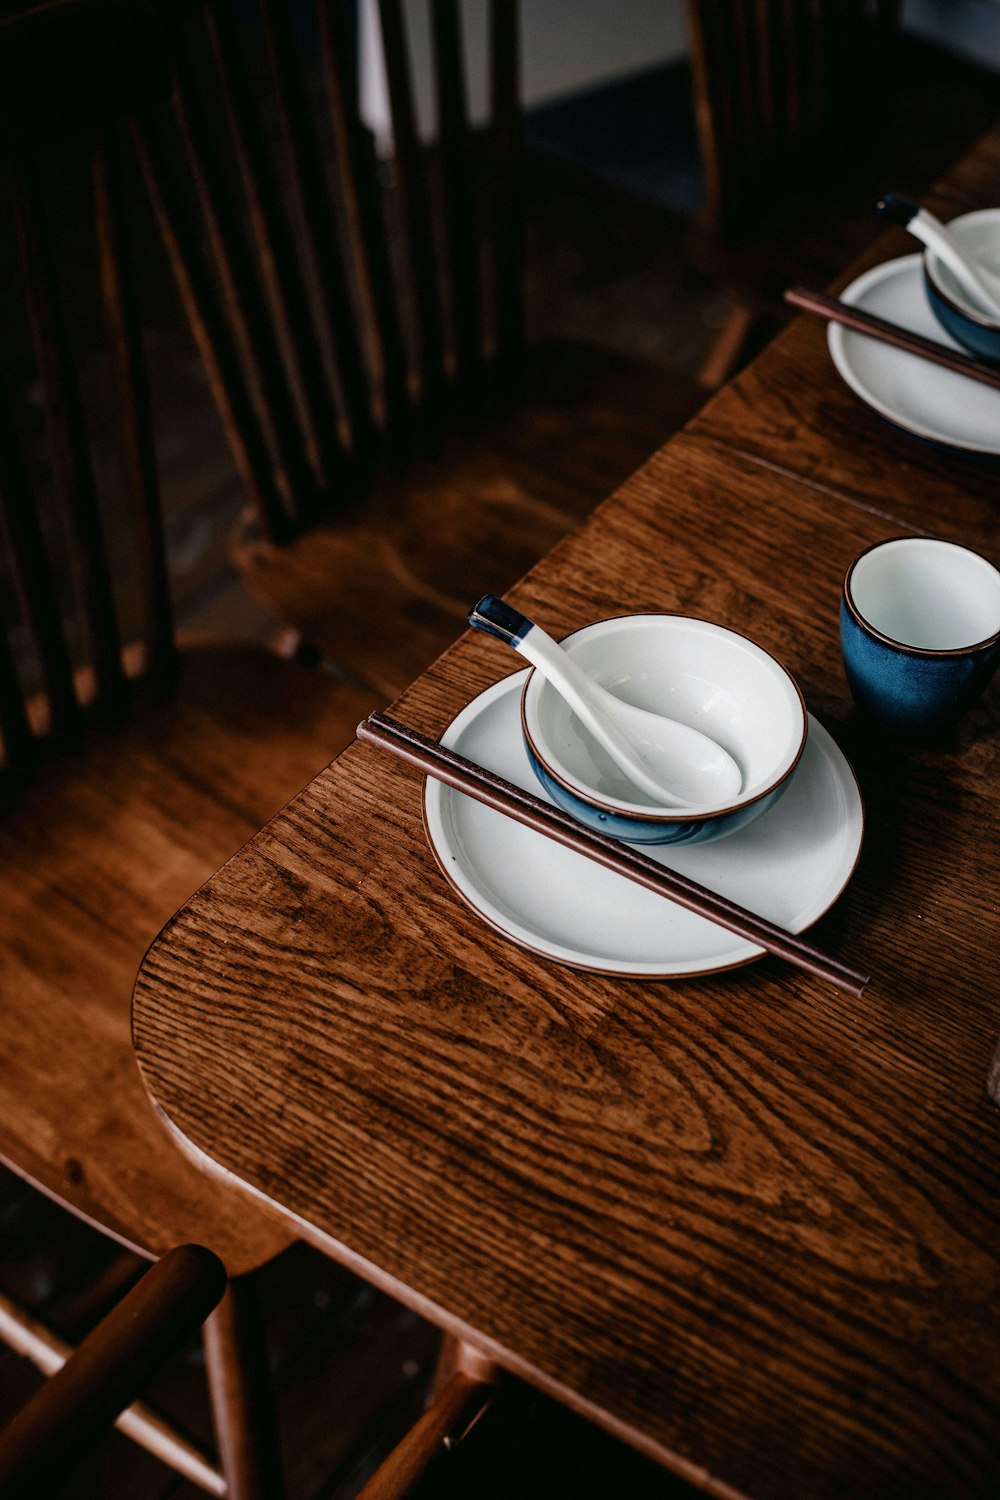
634	829
899	598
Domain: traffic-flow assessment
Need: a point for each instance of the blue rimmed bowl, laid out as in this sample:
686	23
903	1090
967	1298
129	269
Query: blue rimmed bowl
978	233
689	669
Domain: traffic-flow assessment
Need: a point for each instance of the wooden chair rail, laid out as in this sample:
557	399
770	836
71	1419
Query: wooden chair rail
457	1406
68	591
77	1404
133	791
73	471
30	1337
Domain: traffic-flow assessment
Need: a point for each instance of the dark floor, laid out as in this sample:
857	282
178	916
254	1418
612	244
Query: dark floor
350	1367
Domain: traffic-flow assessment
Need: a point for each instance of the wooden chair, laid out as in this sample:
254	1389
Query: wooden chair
92	1389
132	762
807	111
356	314
490	1437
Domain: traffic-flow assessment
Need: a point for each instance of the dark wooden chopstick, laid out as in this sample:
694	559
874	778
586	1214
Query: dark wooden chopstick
890	333
464	775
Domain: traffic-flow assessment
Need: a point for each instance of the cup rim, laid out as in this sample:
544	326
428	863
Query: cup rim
942	652
930	260
633	811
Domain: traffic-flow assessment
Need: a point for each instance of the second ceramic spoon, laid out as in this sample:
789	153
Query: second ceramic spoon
674	764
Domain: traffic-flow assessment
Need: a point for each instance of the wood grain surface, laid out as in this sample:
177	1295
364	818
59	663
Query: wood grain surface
791	412
745	1222
749	1224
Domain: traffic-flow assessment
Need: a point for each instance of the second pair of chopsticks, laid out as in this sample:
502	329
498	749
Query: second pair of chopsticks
464	775
891	333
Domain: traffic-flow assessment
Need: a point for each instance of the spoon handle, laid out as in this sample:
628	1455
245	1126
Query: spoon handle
498	618
925	227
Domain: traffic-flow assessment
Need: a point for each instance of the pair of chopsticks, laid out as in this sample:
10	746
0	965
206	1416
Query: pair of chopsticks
464	775
891	333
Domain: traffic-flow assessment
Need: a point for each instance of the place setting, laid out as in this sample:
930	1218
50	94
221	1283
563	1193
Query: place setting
762	829
659	755
917	338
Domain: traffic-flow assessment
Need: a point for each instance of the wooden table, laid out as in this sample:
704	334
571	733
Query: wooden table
747	1223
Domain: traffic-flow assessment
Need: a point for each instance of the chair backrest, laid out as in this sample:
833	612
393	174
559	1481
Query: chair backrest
73	589
334	295
778	87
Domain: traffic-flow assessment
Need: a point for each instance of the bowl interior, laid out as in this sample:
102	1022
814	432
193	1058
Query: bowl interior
687	669
979	233
927	594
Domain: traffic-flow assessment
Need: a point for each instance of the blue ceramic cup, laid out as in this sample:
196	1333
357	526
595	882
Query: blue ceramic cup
920	632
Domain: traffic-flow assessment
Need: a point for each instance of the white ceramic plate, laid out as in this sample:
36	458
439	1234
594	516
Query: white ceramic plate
789	866
923	398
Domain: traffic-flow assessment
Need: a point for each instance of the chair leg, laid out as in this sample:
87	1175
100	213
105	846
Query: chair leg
240	1392
454	1411
90	1390
728	348
455	1357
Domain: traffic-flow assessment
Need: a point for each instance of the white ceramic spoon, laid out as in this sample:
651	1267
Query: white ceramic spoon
981	284
670	762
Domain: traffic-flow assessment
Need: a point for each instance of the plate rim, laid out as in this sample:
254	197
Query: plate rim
836	343
748	954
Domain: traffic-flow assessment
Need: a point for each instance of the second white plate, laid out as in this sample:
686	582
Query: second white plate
921	397
790	866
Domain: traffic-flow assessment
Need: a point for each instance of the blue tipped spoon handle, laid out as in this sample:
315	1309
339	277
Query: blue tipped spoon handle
502	620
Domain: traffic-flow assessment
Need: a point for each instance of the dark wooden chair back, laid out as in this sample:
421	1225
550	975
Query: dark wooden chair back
75	590
777	85
333	294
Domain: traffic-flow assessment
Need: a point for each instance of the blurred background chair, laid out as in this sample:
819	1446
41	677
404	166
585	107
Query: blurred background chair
400	451
132	763
807	112
89	1391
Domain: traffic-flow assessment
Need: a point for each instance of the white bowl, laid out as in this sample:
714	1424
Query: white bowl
692	670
